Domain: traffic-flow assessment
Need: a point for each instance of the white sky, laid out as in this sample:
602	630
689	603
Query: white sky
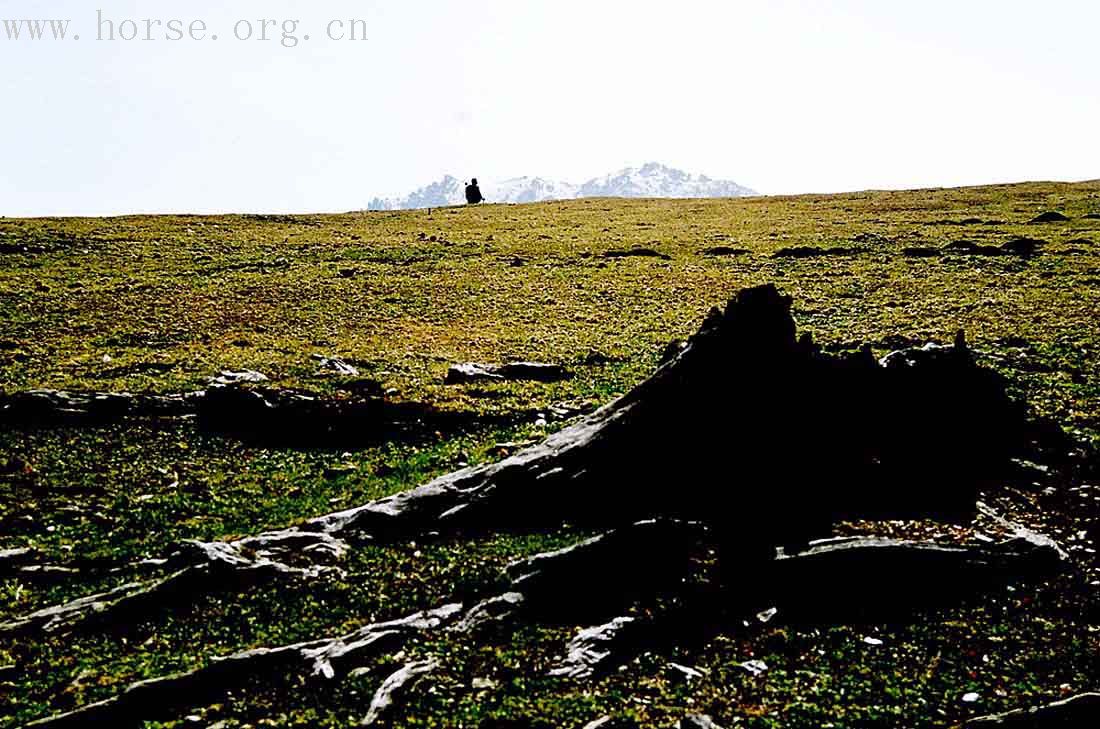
779	95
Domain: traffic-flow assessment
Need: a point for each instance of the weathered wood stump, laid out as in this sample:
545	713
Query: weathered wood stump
750	429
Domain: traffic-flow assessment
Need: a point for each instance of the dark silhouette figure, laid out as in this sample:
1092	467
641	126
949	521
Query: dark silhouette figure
473	193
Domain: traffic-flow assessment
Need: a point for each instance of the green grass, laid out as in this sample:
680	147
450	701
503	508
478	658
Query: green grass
157	304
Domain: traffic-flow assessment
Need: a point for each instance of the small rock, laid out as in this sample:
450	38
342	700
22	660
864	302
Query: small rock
612	722
570	410
755	667
343	469
767	615
688	673
698	721
470	372
604	722
230	377
16	555
467	372
334	366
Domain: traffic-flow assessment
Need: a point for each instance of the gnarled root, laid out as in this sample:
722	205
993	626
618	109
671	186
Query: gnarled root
580	584
199	568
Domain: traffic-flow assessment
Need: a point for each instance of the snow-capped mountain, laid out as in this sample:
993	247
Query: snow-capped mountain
655	180
651	180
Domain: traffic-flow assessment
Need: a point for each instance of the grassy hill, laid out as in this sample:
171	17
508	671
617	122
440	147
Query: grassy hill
160	303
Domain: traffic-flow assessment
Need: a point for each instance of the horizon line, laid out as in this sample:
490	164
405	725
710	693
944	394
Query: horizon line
366	211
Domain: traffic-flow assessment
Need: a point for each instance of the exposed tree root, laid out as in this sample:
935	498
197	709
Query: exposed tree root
255	414
604	647
200	568
264	415
161	697
279	417
63	618
14	558
545	589
58	407
1078	711
838	581
398	683
537	590
22	563
602	576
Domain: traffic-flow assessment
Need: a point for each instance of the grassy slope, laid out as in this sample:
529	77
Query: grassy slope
159	303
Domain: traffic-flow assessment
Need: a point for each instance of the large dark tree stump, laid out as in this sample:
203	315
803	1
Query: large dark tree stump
750	429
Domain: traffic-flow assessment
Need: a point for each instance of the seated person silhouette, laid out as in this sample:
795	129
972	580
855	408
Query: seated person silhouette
473	193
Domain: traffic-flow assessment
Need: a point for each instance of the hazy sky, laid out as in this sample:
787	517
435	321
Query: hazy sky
779	95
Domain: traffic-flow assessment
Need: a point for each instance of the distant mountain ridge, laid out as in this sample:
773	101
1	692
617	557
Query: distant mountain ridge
650	180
